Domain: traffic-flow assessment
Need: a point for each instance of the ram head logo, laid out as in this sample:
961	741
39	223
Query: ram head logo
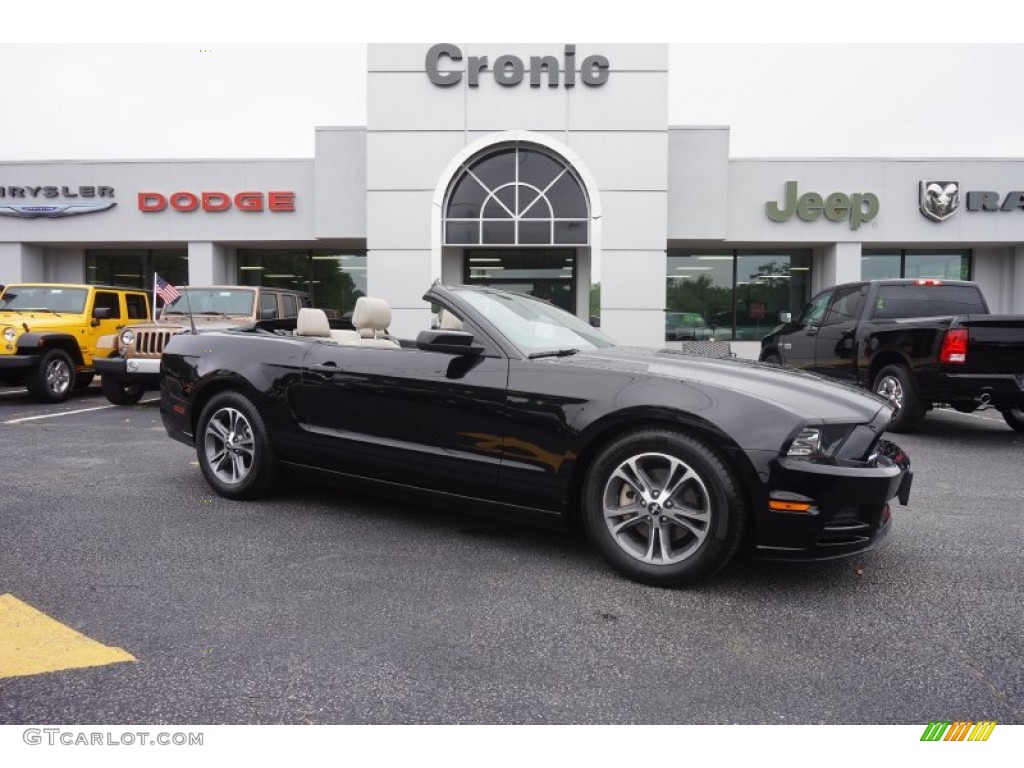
940	199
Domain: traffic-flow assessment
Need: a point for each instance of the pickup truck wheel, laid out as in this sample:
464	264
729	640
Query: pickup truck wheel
663	508
772	357
121	391
234	452
895	384
54	378
1015	418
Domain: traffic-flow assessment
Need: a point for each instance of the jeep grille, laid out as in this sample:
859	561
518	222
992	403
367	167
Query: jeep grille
151	342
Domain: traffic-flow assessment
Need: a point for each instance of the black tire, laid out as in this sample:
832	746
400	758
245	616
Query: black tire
772	357
54	378
896	384
1014	417
83	380
121	391
649	542
234	452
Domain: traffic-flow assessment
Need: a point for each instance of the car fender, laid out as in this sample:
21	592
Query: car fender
36	343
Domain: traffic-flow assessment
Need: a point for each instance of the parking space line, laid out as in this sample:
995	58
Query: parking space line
32	643
71	413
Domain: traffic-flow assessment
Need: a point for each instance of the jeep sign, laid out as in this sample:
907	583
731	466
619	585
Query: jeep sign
858	207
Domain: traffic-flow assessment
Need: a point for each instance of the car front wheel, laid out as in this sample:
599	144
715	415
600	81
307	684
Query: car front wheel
663	508
234	453
54	379
1014	417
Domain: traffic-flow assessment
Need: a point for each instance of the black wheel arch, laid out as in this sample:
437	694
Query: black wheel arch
610	428
41	343
207	390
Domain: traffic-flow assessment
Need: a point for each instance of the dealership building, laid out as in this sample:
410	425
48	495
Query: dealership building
525	166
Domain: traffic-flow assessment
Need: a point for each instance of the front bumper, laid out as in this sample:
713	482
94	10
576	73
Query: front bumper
129	368
19	363
849	508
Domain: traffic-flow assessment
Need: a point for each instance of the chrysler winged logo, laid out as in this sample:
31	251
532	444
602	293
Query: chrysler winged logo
53	211
939	199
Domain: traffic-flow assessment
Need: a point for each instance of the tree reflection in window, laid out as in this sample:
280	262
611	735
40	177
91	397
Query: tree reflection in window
516	196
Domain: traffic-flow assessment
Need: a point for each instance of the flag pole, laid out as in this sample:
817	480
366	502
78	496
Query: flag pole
154	295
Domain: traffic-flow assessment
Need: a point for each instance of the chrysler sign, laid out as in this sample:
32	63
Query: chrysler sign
49	202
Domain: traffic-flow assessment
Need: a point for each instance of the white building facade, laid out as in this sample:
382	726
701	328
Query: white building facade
532	167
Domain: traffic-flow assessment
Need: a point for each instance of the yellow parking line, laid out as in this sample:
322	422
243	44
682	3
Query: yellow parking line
32	643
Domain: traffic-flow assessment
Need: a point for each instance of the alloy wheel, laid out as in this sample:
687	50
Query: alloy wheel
229	445
58	376
657	508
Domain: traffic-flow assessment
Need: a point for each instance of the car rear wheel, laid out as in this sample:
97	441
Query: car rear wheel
895	384
234	453
663	507
54	378
1015	418
121	391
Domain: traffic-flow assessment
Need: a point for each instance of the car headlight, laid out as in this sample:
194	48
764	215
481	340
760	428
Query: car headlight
127	336
10	334
818	443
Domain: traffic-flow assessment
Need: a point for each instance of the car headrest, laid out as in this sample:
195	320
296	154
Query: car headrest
312	322
446	321
371	315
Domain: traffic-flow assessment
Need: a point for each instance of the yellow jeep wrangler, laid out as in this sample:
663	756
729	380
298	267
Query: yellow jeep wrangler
51	334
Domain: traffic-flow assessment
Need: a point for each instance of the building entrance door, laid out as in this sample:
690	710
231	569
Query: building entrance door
547	273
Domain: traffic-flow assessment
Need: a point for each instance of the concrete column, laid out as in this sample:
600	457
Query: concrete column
21	263
207	264
401	277
65	265
1016	299
633	287
837	263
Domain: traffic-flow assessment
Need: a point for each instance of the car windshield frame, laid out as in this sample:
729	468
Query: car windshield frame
200	301
533	326
15	299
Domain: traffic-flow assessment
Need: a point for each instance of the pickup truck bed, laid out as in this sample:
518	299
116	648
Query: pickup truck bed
916	342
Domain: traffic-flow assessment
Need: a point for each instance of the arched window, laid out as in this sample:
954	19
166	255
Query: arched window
516	196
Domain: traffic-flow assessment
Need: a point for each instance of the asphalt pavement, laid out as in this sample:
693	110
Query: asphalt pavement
325	606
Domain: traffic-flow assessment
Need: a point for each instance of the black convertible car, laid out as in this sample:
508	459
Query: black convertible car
515	407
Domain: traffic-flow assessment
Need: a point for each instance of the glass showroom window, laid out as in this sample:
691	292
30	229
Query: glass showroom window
516	196
733	294
332	280
943	264
134	268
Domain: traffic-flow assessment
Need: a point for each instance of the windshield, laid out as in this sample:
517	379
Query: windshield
212	301
534	325
25	297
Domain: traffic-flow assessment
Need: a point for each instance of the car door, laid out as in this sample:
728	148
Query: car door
798	345
107	326
407	416
835	350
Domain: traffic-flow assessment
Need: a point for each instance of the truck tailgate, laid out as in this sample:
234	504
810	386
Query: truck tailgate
995	343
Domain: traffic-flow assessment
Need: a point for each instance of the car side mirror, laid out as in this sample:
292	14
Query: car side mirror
785	317
449	343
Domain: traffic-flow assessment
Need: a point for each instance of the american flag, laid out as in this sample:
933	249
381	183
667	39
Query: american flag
166	291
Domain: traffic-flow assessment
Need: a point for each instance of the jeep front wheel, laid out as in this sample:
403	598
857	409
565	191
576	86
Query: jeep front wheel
121	391
53	379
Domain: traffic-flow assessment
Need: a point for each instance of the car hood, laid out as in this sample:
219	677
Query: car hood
41	322
806	394
202	324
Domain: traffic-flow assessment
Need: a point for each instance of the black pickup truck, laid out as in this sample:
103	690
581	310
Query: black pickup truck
916	342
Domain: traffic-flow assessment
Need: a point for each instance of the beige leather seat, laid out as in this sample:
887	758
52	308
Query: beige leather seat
371	319
313	322
446	321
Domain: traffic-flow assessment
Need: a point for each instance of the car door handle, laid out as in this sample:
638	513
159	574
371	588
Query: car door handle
328	368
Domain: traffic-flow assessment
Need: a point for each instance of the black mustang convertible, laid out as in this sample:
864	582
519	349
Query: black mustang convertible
514	407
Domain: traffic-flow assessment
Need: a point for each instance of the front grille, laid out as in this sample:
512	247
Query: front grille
151	343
